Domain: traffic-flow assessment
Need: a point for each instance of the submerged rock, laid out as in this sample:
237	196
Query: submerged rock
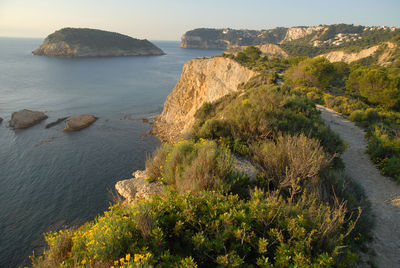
26	118
59	120
79	122
138	187
1	120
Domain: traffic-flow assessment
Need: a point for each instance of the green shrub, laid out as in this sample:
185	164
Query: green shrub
378	84
262	113
384	150
195	166
356	116
291	163
392	167
209	229
312	72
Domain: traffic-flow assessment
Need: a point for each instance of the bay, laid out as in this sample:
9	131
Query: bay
50	179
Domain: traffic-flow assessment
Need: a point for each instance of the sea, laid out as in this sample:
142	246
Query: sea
51	179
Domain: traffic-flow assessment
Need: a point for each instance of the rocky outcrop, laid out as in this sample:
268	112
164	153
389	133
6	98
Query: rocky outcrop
77	42
269	50
230	38
245	167
295	33
140	187
137	187
26	118
202	80
79	122
382	58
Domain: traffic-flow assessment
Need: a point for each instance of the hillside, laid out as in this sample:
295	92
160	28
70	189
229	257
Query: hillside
296	41
82	42
298	209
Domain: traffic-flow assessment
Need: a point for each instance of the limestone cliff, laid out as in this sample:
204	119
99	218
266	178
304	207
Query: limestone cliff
269	50
295	33
229	38
202	80
383	54
80	42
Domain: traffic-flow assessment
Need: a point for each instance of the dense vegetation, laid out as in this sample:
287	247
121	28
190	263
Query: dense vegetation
369	95
97	39
298	211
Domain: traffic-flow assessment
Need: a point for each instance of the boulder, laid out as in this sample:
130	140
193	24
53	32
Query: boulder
26	118
1	120
79	122
138	187
245	167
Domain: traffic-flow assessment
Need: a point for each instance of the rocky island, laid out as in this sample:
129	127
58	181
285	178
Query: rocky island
83	42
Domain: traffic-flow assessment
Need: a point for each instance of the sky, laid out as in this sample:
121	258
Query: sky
170	19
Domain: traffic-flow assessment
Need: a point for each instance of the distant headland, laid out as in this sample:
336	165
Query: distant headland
84	42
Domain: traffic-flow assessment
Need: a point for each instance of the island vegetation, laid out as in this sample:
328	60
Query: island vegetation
84	42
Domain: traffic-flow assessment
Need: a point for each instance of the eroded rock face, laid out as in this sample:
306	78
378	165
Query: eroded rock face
137	187
384	58
202	80
79	122
295	33
26	118
269	50
348	57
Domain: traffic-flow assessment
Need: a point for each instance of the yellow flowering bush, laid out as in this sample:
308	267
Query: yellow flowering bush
209	228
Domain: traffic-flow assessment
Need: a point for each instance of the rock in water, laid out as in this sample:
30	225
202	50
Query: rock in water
79	122
59	120
1	120
26	118
82	42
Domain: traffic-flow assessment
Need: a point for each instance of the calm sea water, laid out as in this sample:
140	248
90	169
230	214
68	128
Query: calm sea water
50	179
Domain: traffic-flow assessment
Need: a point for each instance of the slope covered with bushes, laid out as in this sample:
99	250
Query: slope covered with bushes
298	211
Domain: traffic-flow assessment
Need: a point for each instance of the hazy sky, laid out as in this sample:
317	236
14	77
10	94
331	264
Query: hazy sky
169	19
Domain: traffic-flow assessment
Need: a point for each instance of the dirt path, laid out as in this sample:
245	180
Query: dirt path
382	192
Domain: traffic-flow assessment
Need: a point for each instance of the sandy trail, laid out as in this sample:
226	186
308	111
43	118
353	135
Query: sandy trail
382	192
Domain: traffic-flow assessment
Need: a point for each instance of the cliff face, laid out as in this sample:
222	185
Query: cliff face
383	54
202	80
72	42
229	38
269	50
295	33
324	36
